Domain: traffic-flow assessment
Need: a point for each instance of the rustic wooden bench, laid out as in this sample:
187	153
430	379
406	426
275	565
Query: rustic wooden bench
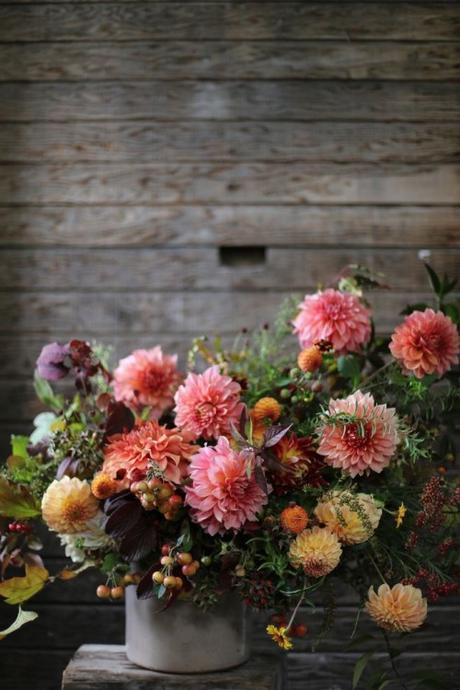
105	667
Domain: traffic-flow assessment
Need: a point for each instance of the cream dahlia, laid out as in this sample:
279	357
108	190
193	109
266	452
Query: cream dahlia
338	317
68	505
224	493
316	550
147	378
399	609
358	435
93	538
352	517
128	456
208	403
427	342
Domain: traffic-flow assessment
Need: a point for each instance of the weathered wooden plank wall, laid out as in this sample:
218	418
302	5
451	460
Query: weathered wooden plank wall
138	138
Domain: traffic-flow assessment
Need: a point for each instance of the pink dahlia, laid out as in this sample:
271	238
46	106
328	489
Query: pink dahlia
128	456
224	494
207	404
338	317
358	435
147	378
427	342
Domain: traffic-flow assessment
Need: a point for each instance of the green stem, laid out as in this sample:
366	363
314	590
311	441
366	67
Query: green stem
392	661
376	373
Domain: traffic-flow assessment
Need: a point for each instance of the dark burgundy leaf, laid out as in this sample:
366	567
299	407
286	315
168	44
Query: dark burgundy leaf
144	589
274	434
260	478
120	419
140	539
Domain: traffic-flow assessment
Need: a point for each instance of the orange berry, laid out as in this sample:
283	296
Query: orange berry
175	501
117	592
188	570
299	630
103	486
294	519
184	558
179	583
128	579
158	577
103	592
165	492
310	359
170	582
266	408
167	560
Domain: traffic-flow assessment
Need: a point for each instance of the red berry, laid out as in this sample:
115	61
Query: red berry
165	549
299	630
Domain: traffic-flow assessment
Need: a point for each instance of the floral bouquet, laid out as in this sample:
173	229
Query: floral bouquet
268	469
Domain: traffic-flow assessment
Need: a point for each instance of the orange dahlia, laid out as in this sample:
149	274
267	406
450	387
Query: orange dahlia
427	342
399	609
68	505
300	460
316	550
128	456
294	519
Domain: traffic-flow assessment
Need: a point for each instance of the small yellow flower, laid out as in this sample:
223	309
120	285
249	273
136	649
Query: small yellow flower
280	636
399	517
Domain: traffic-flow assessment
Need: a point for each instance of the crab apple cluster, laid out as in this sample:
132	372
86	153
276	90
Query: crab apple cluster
156	494
19	527
117	591
172	564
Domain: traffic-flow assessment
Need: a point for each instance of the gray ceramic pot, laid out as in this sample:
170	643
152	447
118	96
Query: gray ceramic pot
184	639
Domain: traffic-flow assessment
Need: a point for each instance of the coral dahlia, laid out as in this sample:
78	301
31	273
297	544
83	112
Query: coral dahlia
352	517
316	550
68	505
147	378
399	609
128	456
224	493
208	403
358	435
427	342
338	317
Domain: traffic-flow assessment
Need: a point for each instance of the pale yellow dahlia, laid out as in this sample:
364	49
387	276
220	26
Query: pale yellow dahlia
352	517
68	505
316	550
399	609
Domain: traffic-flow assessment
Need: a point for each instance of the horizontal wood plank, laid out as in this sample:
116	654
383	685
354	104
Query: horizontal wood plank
229	60
173	20
153	184
200	268
240	100
359	226
45	666
229	141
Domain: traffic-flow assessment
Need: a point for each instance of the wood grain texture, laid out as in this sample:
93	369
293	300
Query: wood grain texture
268	225
199	268
234	100
229	60
230	141
95	667
245	21
108	314
270	183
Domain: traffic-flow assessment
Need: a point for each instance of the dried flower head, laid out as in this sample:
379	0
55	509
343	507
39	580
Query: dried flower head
310	359
266	408
103	486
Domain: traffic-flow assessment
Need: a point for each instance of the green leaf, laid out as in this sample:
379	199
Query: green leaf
161	591
359	668
452	311
19	446
22	618
109	562
19	589
185	533
417	306
16	502
349	367
46	394
430	680
434	279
